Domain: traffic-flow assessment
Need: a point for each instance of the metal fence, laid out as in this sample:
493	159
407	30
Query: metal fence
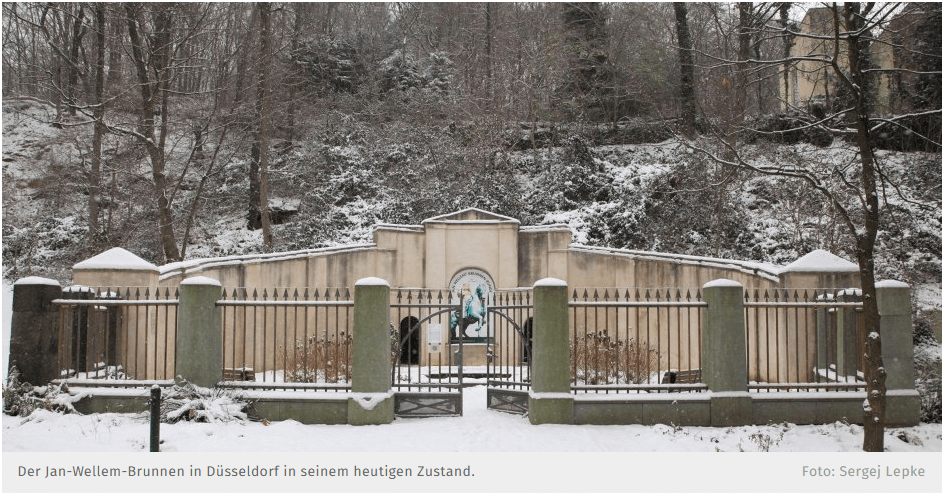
287	338
117	335
804	340
636	340
427	373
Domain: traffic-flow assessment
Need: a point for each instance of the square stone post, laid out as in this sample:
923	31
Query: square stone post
895	327
372	400
34	334
199	355
724	365
550	399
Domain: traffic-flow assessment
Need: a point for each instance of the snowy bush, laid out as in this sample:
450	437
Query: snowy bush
21	398
188	402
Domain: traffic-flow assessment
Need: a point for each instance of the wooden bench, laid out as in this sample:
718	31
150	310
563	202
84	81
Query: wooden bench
684	376
239	374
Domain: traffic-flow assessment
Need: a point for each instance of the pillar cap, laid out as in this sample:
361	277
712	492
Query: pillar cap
891	284
200	280
372	281
722	282
551	282
36	280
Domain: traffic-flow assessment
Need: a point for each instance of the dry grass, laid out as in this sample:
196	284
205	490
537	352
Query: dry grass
600	359
320	359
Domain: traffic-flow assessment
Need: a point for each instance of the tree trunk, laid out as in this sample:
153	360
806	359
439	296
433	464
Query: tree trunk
874	410
744	44
72	79
155	147
687	91
263	131
95	178
783	11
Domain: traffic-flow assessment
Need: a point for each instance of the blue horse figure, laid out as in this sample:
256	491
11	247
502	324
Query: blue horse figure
473	310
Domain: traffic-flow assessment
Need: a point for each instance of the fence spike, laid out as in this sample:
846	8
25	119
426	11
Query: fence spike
646	294
688	295
595	295
626	295
337	294
295	294
255	294
347	293
574	294
586	296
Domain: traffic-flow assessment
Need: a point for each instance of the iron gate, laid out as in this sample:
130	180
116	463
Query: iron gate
509	368
427	373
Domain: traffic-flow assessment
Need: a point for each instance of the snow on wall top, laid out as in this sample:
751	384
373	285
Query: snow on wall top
471	215
820	261
116	258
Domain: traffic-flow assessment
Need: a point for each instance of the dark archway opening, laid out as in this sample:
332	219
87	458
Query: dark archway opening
527	341
410	340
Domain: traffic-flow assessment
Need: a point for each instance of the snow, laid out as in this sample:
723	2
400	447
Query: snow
820	260
35	280
891	284
372	281
721	283
478	430
550	282
200	280
116	258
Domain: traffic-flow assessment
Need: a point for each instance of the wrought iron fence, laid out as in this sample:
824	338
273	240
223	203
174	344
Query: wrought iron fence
511	316
427	372
636	340
804	340
282	338
117	336
422	349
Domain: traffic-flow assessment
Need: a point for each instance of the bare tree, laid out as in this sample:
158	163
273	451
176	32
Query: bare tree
854	190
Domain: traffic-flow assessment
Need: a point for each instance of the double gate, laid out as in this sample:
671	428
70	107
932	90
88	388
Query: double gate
435	358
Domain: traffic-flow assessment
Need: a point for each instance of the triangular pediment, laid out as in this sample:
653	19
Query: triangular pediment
471	215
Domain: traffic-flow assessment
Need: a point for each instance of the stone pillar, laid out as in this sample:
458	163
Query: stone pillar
895	326
550	399
199	356
372	400
34	334
724	365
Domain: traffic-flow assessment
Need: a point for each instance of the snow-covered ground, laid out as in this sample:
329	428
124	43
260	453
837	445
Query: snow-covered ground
478	430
